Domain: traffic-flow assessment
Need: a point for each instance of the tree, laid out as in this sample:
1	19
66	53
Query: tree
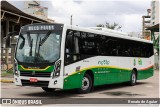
113	26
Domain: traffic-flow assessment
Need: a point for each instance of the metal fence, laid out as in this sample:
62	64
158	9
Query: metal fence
6	59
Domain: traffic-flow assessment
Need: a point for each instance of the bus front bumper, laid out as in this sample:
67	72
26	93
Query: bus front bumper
56	82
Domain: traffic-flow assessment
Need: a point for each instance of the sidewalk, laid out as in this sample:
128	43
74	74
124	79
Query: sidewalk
7	80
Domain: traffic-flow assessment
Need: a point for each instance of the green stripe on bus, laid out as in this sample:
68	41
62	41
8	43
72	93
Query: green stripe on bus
47	69
115	75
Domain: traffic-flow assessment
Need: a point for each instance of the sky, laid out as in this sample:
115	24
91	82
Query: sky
89	13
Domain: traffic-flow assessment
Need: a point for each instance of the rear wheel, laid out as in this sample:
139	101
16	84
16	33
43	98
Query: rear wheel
86	84
48	89
133	79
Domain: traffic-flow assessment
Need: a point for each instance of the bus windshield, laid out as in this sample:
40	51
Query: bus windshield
37	47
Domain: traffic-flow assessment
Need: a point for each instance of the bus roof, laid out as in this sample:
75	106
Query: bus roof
107	32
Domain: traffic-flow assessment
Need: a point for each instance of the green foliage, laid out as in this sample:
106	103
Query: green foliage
155	42
113	26
7	74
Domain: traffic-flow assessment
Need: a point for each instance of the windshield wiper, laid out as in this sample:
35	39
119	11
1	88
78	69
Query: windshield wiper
30	52
29	39
30	43
45	38
39	46
41	42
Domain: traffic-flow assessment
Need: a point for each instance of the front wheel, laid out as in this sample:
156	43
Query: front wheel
133	79
86	84
48	89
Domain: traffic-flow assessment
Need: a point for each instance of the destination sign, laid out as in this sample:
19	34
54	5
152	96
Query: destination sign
41	27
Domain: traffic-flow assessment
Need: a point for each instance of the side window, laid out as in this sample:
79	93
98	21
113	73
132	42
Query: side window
106	45
143	50
150	50
88	44
80	45
72	52
125	48
114	47
102	44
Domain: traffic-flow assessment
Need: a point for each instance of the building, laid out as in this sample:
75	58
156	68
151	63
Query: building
154	25
34	8
155	18
145	24
11	20
154	12
154	29
151	19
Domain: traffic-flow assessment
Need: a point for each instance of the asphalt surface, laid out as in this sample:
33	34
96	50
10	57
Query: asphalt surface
148	88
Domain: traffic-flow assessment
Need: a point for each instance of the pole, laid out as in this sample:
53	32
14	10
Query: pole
71	20
12	46
7	49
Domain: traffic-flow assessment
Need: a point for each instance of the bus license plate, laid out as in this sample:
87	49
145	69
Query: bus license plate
33	80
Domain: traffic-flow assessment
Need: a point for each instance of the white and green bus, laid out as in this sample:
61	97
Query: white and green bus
58	56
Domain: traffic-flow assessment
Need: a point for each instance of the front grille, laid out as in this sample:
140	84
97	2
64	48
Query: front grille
35	74
36	84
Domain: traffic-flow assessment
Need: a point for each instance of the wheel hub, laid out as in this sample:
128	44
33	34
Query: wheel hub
133	78
85	83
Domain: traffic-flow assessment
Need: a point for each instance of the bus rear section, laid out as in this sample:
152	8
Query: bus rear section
38	60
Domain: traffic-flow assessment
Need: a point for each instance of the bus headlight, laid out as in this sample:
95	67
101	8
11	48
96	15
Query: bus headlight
57	68
15	68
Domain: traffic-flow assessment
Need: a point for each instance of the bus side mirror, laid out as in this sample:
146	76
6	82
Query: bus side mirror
22	44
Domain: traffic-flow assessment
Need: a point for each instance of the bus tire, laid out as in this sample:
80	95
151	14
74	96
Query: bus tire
133	79
86	84
48	89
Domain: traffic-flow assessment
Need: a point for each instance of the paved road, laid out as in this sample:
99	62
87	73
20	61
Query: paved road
148	88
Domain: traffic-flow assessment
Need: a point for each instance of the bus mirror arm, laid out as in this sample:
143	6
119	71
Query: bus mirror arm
14	33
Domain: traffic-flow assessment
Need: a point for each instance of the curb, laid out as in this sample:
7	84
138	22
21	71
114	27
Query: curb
6	81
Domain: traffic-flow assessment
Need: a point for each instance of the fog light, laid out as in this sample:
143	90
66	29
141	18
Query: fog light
16	72
57	74
55	82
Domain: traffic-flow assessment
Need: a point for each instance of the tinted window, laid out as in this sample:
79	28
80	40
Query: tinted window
81	45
